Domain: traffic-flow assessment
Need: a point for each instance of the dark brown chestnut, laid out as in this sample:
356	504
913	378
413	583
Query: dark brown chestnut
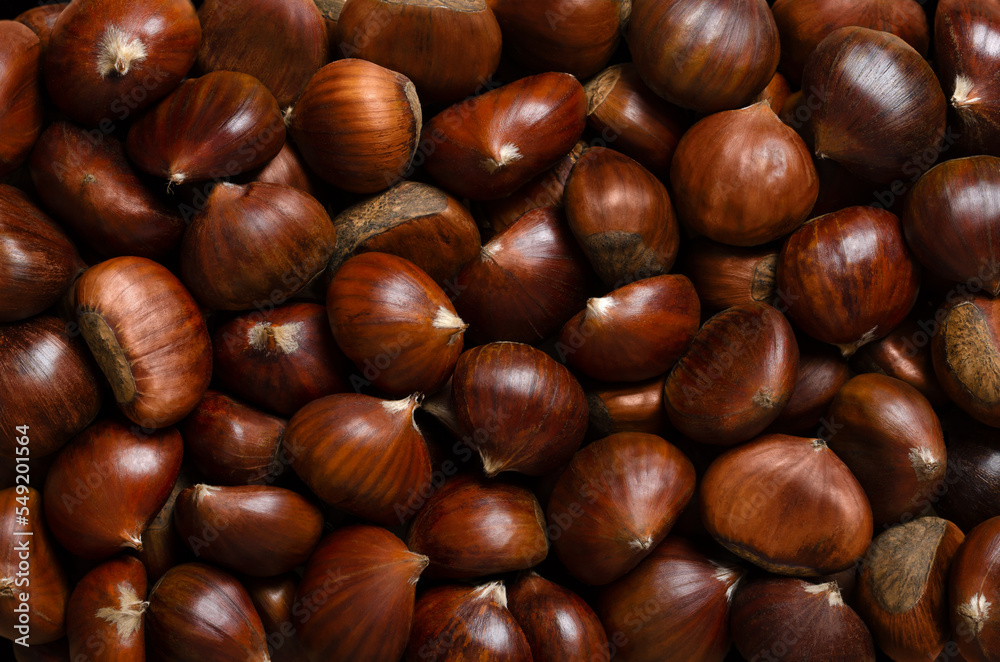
970	494
287	168
162	547
735	377
965	351
973	594
20	89
627	408
274	599
822	372
41	20
558	624
104	620
725	276
776	93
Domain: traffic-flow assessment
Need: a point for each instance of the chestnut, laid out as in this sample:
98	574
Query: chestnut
357	125
392	319
615	502
41	19
472	528
280	359
558	625
414	221
452	623
622	216
973	594
776	93
108	59
848	278
148	337
970	494
742	177
635	332
162	547
448	49
287	168
357	570
821	374
281	43
526	282
47	380
902	587
104	619
784	618
890	438
488	147
38	262
256	530
198	612
634	407
964	351
787	504
360	454
216	126
902	117
735	376
674	607
521	411
274	599
21	114
725	276
108	484
736	43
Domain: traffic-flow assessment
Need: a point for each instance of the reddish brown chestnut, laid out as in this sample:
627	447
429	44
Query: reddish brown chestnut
627	408
558	624
787	504
615	502
735	377
104	620
108	484
776	93
473	527
965	351
162	547
394	321
288	168
973	594
41	19
21	110
274	599
521	410
822	372
148	336
725	276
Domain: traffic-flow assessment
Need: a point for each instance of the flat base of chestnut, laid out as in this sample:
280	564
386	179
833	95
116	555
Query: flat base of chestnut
109	355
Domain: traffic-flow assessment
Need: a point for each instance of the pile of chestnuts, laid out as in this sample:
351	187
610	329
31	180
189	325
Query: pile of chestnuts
527	330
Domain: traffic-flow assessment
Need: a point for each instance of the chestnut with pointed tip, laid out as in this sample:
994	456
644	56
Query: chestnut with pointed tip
634	407
965	351
558	625
973	593
108	484
615	502
20	89
725	276
107	608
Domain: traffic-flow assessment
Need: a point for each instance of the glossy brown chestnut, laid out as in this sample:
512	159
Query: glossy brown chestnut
950	221
742	177
449	48
725	276
473	527
848	278
490	146
256	530
216	126
736	45
673	607
44	592
148	337
357	568
41	19
281	43
526	282
787	504
965	350
794	620
452	623
577	37
890	438
37	262
104	620
288	168
521	410
360	454
162	547
94	191
108	484
197	612
973	476
776	93
967	64
108	59
973	594
233	444
558	624
395	323
274	599
357	125
822	372
627	408
280	359
902	588
20	89
615	502
633	333
804	23
49	382
622	216
735	377
881	110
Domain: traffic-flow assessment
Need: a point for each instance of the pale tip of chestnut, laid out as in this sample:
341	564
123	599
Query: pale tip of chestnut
420	564
975	613
925	464
445	319
270	339
641	543
118	52
127	616
491	467
286	116
728	574
494	591
599	306
507	154
764	399
6	587
818	444
832	591
964	95
624	14
410	403
201	491
847	350
133	541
